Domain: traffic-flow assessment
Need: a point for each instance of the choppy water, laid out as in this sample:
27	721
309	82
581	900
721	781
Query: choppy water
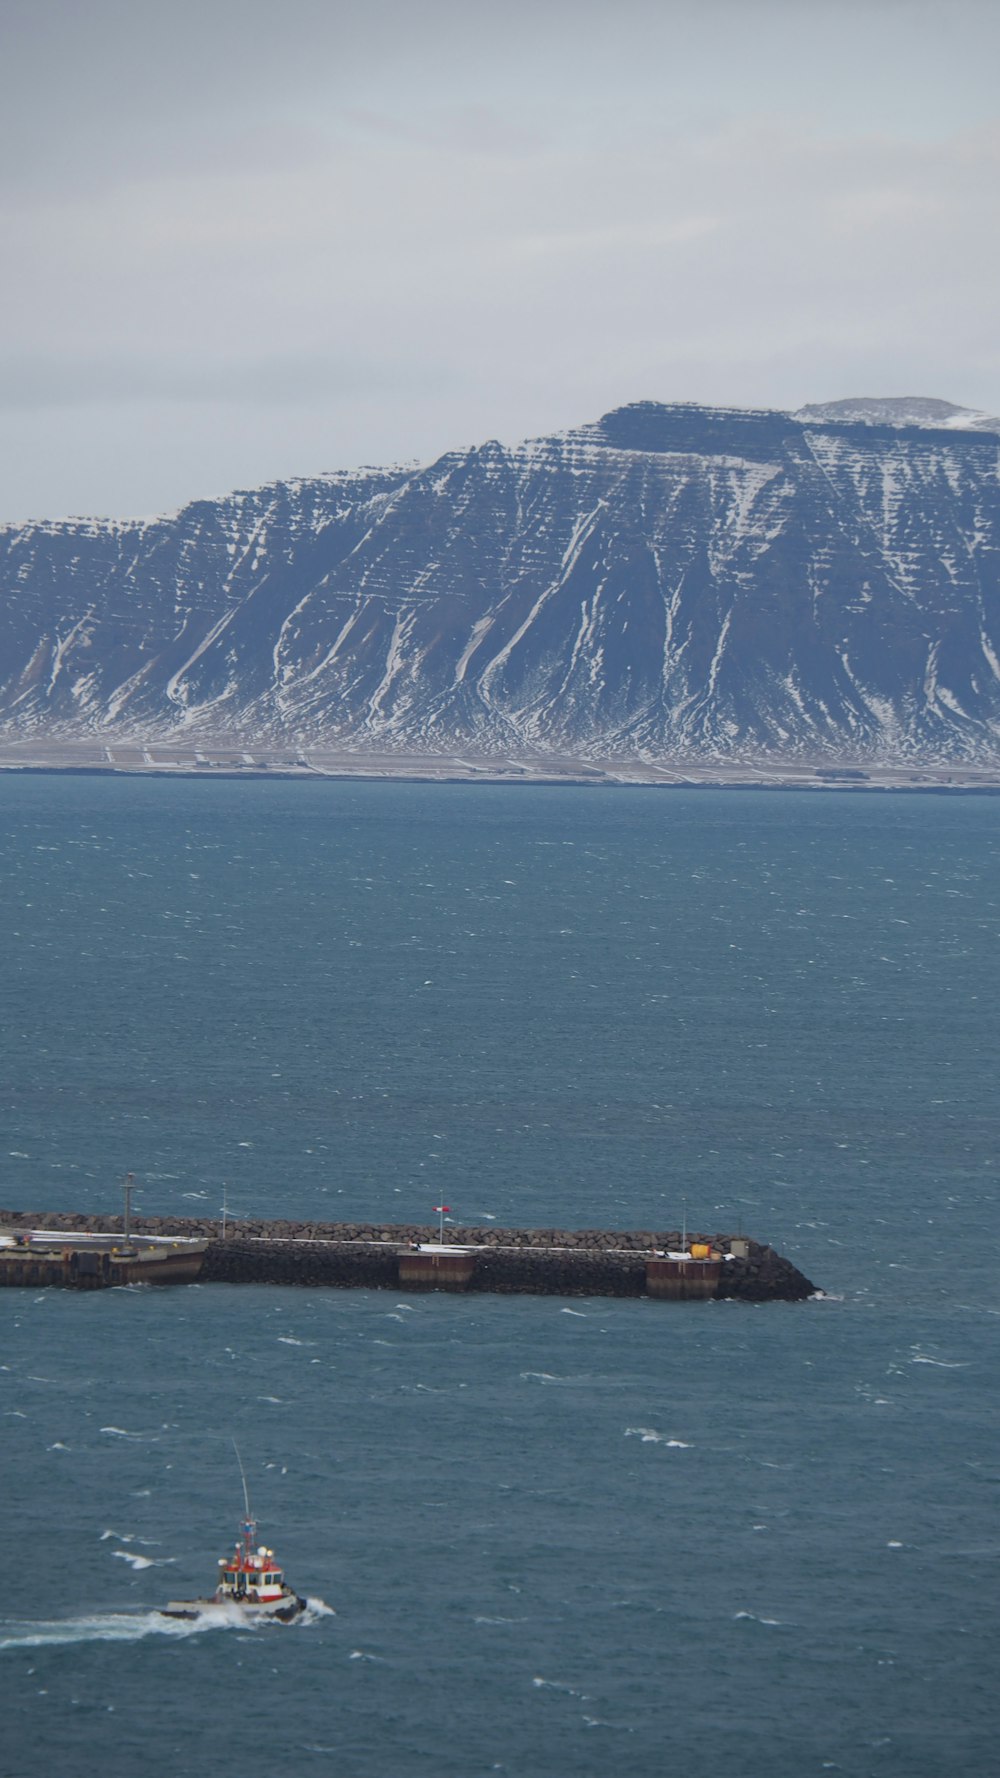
559	1538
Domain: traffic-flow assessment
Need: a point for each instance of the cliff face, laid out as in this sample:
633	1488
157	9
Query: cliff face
670	582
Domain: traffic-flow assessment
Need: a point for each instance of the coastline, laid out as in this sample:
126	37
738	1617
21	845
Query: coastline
225	761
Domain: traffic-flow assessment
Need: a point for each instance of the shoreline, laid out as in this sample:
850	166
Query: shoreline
227	763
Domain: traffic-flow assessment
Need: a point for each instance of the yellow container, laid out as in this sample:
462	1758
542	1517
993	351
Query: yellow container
700	1250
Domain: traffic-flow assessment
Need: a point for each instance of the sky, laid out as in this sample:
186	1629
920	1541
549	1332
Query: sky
246	240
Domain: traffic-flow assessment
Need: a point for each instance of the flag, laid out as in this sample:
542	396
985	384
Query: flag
442	1209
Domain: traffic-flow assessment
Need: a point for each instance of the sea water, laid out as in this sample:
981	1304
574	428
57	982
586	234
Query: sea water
557	1537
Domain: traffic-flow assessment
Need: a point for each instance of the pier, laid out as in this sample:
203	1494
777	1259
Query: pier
661	1264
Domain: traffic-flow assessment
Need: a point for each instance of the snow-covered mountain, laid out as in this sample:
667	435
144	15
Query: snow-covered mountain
902	410
671	582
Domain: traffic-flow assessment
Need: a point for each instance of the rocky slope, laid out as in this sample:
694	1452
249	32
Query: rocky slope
667	583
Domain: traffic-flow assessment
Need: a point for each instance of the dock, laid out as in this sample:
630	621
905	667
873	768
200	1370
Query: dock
86	1252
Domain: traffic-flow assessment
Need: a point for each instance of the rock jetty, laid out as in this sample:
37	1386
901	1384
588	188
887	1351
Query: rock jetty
550	1262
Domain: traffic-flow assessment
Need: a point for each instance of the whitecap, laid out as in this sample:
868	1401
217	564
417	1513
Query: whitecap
140	1562
650	1436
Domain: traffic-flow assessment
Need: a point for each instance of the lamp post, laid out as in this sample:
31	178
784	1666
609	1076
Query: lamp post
127	1189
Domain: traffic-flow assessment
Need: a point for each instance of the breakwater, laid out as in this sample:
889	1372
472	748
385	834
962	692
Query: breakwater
551	1262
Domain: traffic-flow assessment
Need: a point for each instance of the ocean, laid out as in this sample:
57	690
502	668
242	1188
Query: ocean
538	1538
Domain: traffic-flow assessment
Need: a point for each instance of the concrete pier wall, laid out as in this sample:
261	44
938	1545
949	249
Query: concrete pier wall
550	1262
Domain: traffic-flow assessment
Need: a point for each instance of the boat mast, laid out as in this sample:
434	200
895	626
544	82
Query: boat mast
249	1522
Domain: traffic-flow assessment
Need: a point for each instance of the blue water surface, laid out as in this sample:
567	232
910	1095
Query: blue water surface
559	1538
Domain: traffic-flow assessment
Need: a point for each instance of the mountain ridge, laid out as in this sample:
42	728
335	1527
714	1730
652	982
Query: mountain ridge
670	581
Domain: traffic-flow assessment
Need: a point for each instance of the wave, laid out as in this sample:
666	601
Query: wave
315	1609
122	1626
109	1626
650	1436
140	1562
555	1685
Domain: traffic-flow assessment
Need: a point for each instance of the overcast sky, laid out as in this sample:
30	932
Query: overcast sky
246	239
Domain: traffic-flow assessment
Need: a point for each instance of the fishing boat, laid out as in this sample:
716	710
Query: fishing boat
251	1582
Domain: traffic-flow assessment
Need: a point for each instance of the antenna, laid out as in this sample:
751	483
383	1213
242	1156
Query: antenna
243	1479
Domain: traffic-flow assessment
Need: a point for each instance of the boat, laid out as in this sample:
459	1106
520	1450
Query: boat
251	1582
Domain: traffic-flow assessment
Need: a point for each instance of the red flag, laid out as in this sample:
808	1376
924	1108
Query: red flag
442	1209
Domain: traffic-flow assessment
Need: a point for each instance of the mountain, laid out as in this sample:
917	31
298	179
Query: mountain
669	583
906	410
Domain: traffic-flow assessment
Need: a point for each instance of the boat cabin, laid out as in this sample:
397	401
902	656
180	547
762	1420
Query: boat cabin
251	1575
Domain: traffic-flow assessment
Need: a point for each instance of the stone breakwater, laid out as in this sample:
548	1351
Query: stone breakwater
550	1262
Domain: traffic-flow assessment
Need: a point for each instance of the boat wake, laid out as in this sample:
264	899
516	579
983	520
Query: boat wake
107	1626
134	1626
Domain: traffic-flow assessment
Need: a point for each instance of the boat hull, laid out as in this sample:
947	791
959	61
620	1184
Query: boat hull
281	1611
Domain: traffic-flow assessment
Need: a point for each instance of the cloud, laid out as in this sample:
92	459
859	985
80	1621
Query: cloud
375	231
284	380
